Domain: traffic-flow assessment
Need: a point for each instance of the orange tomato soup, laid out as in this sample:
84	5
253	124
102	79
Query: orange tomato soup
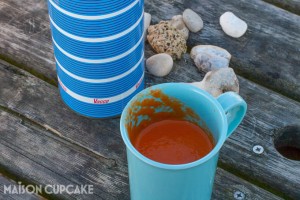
173	141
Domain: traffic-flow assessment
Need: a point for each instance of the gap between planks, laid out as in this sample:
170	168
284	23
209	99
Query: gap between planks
225	185
289	5
70	115
256	56
110	162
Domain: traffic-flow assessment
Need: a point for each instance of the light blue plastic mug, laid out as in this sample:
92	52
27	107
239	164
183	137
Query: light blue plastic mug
151	180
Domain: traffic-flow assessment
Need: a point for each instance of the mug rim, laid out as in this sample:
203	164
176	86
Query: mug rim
202	160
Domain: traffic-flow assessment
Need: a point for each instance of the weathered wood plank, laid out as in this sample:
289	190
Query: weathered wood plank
290	5
41	103
43	158
226	188
269	51
5	195
267	113
34	155
267	54
25	37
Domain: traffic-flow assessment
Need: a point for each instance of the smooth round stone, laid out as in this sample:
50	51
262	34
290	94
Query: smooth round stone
208	62
160	64
192	20
210	49
232	25
178	23
210	57
147	21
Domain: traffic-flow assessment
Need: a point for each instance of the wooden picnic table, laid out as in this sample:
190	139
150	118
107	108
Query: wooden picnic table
43	142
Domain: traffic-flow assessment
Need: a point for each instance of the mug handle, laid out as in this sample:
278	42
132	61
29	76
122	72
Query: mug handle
234	107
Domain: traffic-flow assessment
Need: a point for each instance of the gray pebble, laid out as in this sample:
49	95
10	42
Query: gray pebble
178	23
219	81
209	57
207	62
160	64
192	20
147	21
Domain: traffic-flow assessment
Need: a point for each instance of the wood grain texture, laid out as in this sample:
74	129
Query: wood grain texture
290	5
268	54
269	51
225	188
25	37
5	195
268	111
38	156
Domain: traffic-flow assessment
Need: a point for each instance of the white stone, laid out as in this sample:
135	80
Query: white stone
207	62
147	21
232	25
160	64
219	81
178	23
192	20
210	49
209	57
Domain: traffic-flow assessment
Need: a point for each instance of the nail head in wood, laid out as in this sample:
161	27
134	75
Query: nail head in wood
258	149
239	195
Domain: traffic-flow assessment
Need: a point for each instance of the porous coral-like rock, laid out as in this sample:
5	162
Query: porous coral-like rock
164	38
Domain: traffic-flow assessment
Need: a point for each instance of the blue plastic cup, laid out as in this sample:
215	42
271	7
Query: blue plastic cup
99	52
93	7
97	48
101	88
95	107
99	69
153	180
82	26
